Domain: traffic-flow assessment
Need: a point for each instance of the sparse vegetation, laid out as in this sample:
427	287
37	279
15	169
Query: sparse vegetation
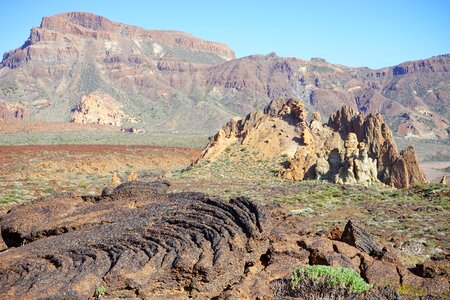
401	213
104	138
334	277
100	291
322	282
409	290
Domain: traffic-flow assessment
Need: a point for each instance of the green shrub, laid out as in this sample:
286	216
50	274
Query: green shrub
100	291
48	190
329	276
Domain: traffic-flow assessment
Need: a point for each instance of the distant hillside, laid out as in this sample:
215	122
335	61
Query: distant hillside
173	81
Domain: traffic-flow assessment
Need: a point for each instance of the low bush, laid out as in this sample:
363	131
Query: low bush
322	282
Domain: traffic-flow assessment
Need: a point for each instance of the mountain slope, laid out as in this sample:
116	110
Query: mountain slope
74	54
172	81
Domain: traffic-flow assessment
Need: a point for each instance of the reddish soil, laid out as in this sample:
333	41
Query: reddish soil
28	172
38	126
54	161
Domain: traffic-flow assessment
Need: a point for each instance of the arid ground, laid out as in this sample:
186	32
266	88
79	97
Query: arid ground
35	171
414	220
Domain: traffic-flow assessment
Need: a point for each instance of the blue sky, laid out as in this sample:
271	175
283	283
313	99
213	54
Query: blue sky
373	33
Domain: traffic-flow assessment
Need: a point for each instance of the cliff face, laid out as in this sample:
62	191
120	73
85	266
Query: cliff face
350	148
179	82
72	28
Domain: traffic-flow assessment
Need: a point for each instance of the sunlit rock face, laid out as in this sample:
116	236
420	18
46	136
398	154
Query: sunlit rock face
350	148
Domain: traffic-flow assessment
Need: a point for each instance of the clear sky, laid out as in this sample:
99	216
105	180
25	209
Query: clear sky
374	33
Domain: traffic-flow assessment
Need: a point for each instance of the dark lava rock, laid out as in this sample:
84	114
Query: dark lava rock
139	241
434	267
359	238
135	241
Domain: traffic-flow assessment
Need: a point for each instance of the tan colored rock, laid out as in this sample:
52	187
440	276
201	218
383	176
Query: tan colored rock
133	176
307	137
349	149
366	168
115	180
40	103
443	180
270	133
351	145
99	108
322	168
316	122
12	111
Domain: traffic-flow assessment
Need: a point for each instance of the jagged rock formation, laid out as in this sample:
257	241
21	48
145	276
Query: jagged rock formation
12	111
140	242
115	179
179	82
132	176
350	148
99	108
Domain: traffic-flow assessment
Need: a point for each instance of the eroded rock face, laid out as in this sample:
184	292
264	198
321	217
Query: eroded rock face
99	108
12	111
140	242
350	148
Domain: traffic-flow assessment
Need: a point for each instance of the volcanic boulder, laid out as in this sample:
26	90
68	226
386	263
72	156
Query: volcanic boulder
136	240
350	148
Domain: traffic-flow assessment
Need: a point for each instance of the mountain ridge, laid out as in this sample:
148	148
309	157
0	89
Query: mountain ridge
173	81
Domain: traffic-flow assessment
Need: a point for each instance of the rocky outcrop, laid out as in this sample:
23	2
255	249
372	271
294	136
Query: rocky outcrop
138	241
99	108
132	176
405	169
443	180
359	238
12	111
350	148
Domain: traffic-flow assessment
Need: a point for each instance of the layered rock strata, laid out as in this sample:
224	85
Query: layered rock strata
182	83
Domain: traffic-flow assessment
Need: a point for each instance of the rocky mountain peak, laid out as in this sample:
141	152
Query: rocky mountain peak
84	19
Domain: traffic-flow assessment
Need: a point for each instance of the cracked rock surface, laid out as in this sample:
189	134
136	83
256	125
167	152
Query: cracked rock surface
136	242
141	242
